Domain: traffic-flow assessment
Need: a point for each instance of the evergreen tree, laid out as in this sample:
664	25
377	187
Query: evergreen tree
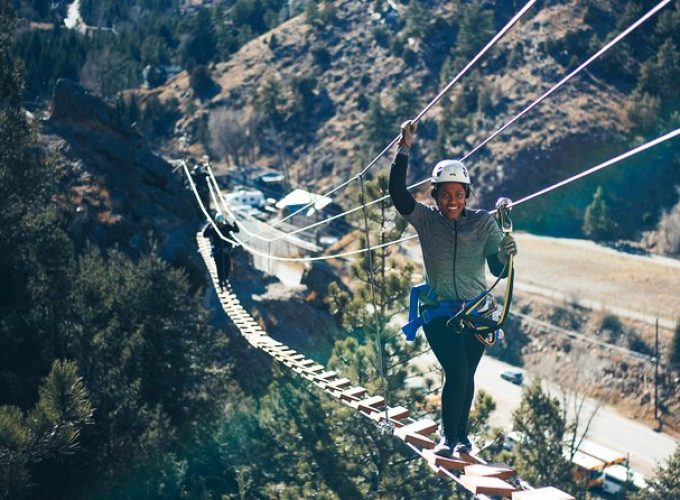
674	352
201	46
539	455
405	102
52	427
269	101
312	14
379	125
660	75
366	316
597	222
201	81
417	20
476	29
666	481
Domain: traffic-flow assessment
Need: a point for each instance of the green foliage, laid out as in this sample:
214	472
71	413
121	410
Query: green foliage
666	480
406	102
50	55
382	285
320	17
539	455
52	427
380	125
597	222
660	75
475	30
269	101
322	57
479	417
312	13
643	111
417	20
201	81
674	351
201	44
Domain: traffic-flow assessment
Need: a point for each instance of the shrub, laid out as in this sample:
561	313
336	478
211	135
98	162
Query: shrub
669	231
597	222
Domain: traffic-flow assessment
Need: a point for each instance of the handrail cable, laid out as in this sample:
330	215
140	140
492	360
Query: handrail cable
429	106
386	425
608	163
495	134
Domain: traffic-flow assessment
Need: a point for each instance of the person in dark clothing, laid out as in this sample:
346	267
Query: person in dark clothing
199	175
221	249
456	243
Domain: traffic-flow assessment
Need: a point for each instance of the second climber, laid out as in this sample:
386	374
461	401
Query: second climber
222	249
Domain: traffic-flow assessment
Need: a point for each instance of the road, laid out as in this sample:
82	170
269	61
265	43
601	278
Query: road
646	447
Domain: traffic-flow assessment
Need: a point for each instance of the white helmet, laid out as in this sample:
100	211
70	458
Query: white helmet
450	171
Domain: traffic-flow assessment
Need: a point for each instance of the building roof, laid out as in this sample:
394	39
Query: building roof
299	198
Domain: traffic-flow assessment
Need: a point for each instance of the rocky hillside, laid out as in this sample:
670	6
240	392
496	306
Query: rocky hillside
115	190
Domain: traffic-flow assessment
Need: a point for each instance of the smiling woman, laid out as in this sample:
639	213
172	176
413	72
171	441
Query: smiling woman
456	242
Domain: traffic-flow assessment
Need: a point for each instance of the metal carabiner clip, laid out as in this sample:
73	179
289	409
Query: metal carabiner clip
503	207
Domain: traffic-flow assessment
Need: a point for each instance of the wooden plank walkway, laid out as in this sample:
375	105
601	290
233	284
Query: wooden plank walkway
483	480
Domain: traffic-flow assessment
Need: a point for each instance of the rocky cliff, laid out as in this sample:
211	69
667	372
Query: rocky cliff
115	190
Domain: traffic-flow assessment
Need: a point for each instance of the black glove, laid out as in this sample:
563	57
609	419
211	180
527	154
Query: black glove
508	247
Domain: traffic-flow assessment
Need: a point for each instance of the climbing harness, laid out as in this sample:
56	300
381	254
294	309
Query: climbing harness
479	316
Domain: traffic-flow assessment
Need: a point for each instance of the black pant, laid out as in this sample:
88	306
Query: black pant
223	262
459	355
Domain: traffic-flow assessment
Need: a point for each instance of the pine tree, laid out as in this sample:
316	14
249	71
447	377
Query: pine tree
674	352
52	427
372	337
269	101
666	481
417	20
539	455
597	222
660	75
379	126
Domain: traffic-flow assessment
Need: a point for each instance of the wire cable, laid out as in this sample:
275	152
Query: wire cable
427	108
655	142
535	103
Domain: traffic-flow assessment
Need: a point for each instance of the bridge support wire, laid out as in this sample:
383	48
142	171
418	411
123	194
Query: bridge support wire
470	472
386	426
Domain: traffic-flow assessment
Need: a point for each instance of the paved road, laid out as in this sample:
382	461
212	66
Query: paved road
608	428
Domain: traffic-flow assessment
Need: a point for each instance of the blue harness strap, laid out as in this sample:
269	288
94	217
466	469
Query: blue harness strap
417	318
437	309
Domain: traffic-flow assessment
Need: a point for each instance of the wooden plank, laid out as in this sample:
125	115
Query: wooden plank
394	413
548	493
374	403
339	383
314	369
479	485
326	375
419	440
435	461
353	393
416	433
498	470
424	426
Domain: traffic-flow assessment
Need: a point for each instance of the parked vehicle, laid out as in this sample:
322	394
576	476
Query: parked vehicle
619	478
249	198
514	376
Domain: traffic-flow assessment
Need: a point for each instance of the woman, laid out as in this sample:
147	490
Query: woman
455	244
